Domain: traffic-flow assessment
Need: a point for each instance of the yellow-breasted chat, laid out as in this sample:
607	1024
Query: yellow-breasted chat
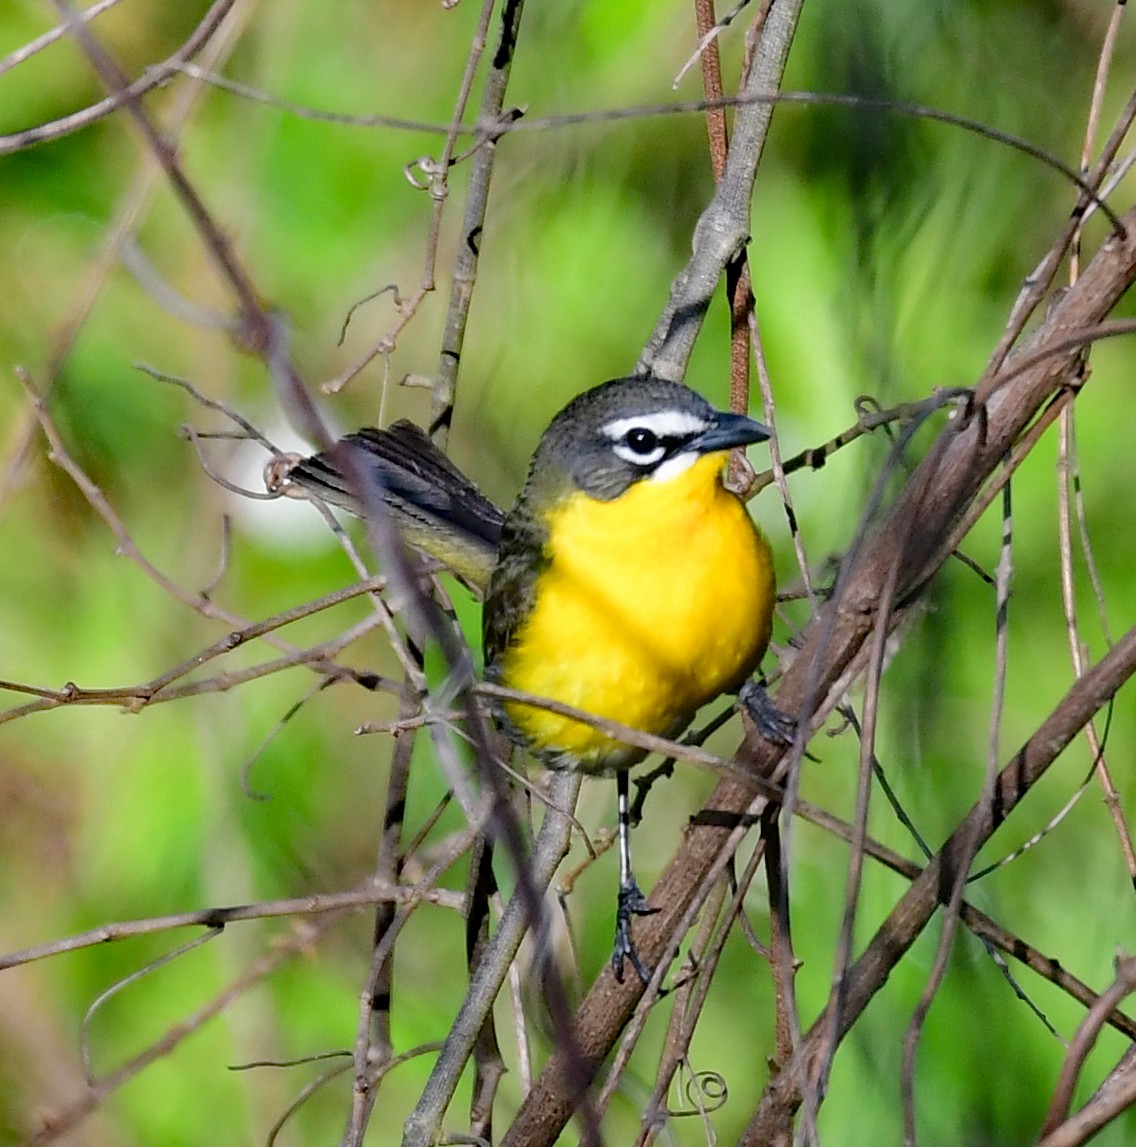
626	581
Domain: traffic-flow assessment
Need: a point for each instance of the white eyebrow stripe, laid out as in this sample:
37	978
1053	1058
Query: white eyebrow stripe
664	423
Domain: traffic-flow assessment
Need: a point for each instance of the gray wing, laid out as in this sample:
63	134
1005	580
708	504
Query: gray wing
415	477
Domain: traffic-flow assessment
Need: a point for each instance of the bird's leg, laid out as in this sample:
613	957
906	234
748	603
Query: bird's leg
631	900
771	723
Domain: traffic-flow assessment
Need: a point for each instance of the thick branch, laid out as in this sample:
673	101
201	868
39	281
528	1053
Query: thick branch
934	497
935	883
723	229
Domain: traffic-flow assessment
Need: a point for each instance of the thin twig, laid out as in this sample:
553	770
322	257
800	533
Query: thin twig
550	847
437	183
916	907
472	231
723	228
1068	485
1085	1039
154	78
495	129
1116	1095
303	938
937	495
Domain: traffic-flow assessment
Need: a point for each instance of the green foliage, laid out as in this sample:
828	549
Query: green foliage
886	255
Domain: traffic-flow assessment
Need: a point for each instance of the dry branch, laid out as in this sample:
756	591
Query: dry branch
935	883
909	540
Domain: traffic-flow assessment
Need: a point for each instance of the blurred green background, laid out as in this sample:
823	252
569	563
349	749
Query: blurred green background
886	254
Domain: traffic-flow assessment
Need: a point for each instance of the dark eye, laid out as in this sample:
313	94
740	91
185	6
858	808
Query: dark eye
642	440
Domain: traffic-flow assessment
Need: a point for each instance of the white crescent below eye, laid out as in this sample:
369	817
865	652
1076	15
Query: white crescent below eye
636	457
675	466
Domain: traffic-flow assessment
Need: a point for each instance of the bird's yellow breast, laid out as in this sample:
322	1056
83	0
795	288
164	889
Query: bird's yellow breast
651	605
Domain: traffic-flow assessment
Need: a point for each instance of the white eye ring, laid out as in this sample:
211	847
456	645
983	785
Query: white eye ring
635	457
665	425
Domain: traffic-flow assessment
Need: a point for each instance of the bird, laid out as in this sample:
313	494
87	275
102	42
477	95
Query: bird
626	581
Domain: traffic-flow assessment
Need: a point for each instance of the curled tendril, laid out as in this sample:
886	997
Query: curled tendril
703	1092
426	166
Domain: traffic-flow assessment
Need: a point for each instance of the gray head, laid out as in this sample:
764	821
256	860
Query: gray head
631	429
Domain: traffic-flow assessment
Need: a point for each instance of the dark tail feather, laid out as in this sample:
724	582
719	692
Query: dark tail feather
437	507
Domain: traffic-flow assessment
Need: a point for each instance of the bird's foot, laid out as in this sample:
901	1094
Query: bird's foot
771	723
631	902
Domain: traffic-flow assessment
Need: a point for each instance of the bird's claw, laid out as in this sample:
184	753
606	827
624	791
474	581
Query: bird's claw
771	722
631	902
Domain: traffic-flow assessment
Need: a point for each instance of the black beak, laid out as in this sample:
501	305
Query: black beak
728	431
